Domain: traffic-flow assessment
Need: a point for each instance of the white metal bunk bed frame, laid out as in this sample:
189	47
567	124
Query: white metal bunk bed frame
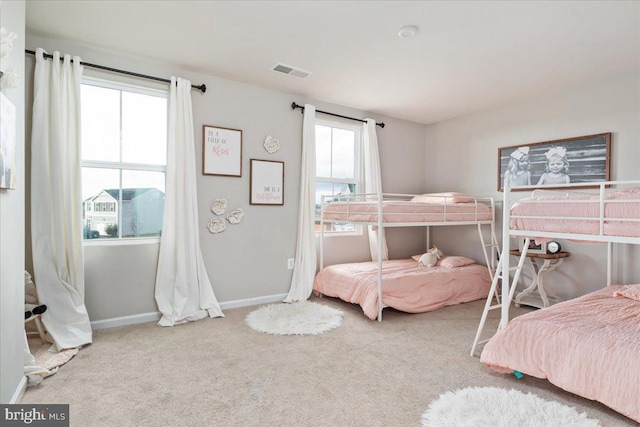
503	269
359	198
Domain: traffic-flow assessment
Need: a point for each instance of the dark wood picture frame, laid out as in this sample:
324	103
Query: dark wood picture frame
221	151
266	183
586	159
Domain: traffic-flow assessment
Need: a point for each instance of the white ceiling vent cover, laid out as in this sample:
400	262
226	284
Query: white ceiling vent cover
292	71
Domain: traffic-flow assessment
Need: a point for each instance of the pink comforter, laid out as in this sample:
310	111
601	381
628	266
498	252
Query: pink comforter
405	286
585	206
589	346
407	212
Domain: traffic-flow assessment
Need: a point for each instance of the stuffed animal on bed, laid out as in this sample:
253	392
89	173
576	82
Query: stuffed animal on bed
430	258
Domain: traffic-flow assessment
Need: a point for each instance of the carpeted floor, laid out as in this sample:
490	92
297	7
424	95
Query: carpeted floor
219	372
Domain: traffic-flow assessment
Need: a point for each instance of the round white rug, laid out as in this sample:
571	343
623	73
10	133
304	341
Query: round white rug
300	318
496	407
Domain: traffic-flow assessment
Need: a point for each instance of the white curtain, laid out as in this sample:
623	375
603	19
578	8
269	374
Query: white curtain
373	183
183	290
56	221
304	269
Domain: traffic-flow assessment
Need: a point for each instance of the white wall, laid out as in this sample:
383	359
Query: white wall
248	260
12	240
461	154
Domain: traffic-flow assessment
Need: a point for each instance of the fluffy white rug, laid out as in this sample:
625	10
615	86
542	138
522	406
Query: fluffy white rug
300	318
496	407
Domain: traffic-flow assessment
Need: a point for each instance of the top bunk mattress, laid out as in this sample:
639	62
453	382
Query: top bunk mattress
413	211
579	213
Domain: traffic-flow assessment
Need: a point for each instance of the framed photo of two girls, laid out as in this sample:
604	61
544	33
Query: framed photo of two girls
583	159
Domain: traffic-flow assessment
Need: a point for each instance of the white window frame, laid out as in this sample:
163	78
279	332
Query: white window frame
358	168
109	84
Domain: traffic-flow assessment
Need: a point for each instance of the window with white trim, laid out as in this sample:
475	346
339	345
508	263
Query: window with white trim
338	164
124	160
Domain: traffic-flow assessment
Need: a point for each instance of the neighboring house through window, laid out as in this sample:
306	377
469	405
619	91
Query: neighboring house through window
338	167
124	160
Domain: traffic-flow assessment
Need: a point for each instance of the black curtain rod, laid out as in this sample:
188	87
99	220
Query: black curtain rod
294	106
202	88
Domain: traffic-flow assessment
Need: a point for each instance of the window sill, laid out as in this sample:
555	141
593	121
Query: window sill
121	242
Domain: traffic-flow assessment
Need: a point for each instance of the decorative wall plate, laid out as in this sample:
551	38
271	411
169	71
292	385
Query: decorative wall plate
235	216
216	225
219	206
271	144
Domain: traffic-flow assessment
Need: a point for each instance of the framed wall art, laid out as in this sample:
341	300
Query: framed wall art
266	186
583	159
221	151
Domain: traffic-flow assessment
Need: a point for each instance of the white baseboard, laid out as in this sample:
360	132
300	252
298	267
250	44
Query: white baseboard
252	301
155	316
126	320
17	395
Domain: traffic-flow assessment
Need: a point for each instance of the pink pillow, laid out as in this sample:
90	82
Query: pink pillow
630	291
451	261
443	198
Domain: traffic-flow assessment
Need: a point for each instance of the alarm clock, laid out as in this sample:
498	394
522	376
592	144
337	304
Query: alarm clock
553	247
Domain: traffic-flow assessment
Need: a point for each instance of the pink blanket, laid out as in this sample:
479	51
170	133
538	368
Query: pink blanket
589	346
619	205
406	286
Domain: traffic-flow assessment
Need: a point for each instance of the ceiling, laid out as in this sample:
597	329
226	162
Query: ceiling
466	56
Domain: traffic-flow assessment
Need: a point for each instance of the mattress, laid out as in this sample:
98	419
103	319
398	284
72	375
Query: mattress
578	209
407	211
589	346
406	286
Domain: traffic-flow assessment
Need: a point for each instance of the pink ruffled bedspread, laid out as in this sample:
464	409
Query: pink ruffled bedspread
589	346
407	212
406	286
580	205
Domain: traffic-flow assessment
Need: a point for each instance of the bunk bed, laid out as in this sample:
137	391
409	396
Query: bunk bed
403	284
588	346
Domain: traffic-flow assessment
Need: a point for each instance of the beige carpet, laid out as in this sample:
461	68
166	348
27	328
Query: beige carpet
219	372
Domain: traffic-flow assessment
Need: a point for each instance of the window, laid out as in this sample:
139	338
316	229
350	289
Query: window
124	160
337	168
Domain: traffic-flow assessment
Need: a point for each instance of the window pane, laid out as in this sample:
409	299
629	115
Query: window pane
142	203
100	187
323	151
100	123
144	129
343	153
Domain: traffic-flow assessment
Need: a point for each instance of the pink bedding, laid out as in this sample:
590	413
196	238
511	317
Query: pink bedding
405	285
589	346
585	206
407	211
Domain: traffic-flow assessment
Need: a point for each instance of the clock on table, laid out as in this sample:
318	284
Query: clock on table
553	247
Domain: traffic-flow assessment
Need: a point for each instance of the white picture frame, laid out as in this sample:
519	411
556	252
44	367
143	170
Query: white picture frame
533	248
221	151
266	186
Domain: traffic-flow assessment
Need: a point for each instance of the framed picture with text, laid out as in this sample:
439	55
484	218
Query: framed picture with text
266	186
221	151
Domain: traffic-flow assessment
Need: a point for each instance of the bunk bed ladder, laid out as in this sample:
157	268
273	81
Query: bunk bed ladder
491	253
493	293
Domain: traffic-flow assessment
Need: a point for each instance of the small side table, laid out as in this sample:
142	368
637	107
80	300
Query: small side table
549	263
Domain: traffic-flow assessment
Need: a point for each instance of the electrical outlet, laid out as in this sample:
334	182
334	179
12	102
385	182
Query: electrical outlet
290	263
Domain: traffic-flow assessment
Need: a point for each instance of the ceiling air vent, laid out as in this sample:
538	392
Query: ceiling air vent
296	72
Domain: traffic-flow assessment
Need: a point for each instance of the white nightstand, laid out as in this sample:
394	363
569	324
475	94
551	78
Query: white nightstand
543	297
